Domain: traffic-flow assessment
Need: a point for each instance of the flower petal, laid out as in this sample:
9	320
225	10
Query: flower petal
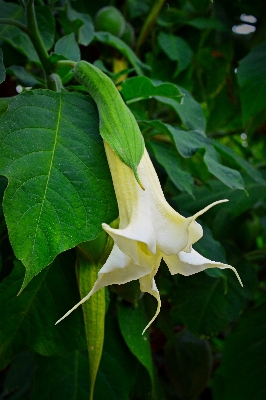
148	285
118	269
190	263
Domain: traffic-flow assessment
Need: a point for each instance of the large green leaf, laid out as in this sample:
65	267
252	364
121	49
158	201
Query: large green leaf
242	372
28	321
111	40
141	87
2	68
252	80
60	190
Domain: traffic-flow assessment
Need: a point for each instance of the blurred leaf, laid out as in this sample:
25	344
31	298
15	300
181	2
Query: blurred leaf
188	143
2	68
20	40
188	363
240	162
207	23
168	158
46	25
60	189
28	321
239	201
206	305
67	46
141	87
111	40
64	377
251	76
22	75
242	372
117	368
86	31
132	321
18	378
189	111
67	375
177	49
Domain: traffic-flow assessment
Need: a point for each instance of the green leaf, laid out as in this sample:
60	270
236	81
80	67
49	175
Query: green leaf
4	102
141	87
132	321
22	75
251	76
168	158
242	372
117	368
188	364
67	376
20	40
239	201
188	143
60	188
67	46
86	31
239	162
2	68
205	304
18	378
28	321
189	111
177	49
208	23
64	377
46	25
118	44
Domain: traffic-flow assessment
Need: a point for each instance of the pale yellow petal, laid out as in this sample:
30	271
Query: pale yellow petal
148	285
118	269
191	263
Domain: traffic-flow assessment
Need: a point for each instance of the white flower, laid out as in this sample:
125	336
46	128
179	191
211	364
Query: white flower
149	230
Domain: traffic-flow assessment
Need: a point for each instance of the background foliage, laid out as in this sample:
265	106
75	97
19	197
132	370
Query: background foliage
196	86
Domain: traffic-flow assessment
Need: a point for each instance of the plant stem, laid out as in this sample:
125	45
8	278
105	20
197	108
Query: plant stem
9	21
149	23
36	39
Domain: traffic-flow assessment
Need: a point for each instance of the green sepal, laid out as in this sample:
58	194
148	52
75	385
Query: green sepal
118	126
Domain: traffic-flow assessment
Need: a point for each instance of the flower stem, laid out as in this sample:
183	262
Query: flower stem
9	21
149	23
36	39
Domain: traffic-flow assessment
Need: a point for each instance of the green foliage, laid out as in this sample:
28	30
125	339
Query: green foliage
196	87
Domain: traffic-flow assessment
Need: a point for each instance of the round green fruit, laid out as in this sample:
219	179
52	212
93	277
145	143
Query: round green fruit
111	20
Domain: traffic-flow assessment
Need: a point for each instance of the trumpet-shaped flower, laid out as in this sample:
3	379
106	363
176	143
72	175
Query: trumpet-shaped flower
149	230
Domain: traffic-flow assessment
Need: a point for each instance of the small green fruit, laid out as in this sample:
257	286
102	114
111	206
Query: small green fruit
111	20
